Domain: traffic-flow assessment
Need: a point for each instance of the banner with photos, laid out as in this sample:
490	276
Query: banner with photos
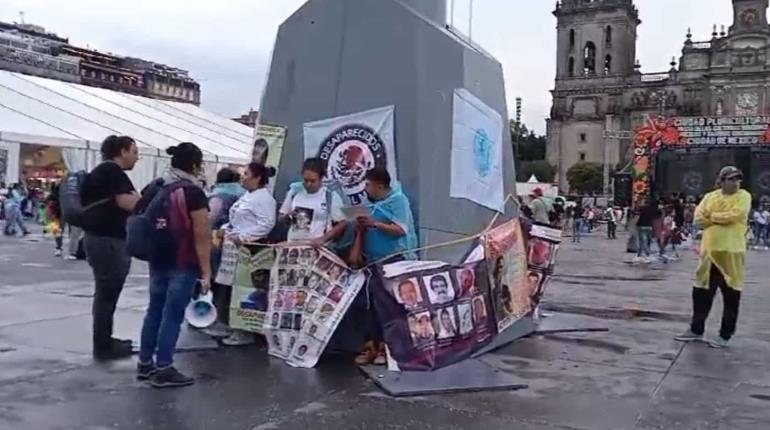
434	314
248	303
352	145
268	144
311	289
506	256
544	242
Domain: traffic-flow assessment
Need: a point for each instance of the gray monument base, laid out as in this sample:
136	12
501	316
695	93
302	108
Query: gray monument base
466	376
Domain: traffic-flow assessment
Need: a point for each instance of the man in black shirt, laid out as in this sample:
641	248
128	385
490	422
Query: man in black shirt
109	189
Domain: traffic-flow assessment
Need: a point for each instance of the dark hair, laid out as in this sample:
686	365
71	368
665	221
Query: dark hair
227	175
264	173
261	143
113	146
185	156
379	175
316	165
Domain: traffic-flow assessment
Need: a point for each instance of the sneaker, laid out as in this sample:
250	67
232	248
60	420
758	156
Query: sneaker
170	377
719	342
57	253
218	330
239	338
70	257
689	336
115	351
145	371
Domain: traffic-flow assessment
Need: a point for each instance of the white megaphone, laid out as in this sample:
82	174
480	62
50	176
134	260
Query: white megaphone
200	312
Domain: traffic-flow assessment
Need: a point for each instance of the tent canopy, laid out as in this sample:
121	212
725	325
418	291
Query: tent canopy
56	113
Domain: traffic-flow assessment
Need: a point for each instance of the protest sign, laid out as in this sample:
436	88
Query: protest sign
433	314
248	303
352	145
311	289
268	144
544	242
506	258
228	264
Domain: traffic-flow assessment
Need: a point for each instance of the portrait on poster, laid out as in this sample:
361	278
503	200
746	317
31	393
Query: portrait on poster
439	287
407	292
466	317
446	322
421	328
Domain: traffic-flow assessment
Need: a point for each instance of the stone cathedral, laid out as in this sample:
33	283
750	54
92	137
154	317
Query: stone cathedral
600	91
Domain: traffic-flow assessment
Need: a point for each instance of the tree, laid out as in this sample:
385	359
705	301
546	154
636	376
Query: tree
543	170
585	177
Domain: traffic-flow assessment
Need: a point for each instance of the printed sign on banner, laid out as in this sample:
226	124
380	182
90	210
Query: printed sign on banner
507	259
248	303
268	144
543	246
311	289
352	145
228	264
477	152
434	315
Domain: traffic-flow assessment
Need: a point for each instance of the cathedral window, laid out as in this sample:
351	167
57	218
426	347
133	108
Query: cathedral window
571	67
582	156
589	59
608	36
608	64
571	38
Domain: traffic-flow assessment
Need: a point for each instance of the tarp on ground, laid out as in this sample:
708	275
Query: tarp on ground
77	118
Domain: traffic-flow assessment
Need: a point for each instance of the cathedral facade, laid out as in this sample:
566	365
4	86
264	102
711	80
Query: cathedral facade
601	95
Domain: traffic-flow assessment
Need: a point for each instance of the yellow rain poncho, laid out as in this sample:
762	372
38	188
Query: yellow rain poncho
724	219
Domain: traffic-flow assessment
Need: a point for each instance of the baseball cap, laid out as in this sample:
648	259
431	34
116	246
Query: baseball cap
729	172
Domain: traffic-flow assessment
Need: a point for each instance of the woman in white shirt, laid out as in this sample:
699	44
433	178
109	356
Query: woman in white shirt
252	218
313	211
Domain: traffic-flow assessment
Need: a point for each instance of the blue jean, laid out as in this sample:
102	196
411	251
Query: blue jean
644	237
577	229
170	292
14	218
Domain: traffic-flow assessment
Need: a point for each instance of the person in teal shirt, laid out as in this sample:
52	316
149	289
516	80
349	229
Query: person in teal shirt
390	228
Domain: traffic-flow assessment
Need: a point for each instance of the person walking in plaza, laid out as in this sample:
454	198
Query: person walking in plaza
226	192
252	218
761	218
13	214
111	196
644	223
174	276
577	222
612	222
723	215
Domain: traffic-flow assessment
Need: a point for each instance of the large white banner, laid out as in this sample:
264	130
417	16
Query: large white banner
352	145
477	152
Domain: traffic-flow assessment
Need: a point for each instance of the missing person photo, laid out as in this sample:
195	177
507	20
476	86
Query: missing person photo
336	294
291	278
421	328
297	321
335	272
440	289
302	218
275	321
292	341
313	280
308	256
312	304
283	277
283	256
302	277
293	256
466	279
540	253
466	317
278	302
302	350
446	322
533	283
326	311
288	299
323	287
479	311
407	292
276	342
300	298
287	320
324	264
312	330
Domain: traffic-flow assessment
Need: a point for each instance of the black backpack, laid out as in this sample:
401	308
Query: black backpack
148	234
72	210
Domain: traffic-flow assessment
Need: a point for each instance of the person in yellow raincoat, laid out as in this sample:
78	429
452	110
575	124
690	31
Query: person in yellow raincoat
723	215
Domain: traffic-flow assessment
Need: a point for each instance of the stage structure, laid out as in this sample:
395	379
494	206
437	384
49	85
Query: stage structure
352	60
684	155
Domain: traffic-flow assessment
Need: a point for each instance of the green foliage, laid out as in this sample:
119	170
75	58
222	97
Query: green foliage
542	169
585	177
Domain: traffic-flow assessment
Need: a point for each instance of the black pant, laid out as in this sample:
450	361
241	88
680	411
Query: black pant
110	264
222	296
612	227
702	300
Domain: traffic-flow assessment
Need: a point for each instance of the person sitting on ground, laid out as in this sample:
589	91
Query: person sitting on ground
226	192
252	218
313	199
173	278
723	215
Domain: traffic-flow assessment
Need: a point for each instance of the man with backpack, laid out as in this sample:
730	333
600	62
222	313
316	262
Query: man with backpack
109	197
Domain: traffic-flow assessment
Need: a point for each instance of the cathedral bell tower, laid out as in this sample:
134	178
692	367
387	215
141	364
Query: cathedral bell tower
596	38
749	16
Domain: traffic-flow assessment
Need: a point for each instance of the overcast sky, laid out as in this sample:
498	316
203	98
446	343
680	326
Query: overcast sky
226	44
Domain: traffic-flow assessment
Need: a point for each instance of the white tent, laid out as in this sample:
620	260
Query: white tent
525	189
77	118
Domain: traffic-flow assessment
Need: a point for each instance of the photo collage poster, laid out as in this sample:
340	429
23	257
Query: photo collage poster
248	304
506	256
543	245
434	316
311	289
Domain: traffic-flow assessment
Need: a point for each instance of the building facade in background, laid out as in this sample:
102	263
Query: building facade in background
600	91
29	49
